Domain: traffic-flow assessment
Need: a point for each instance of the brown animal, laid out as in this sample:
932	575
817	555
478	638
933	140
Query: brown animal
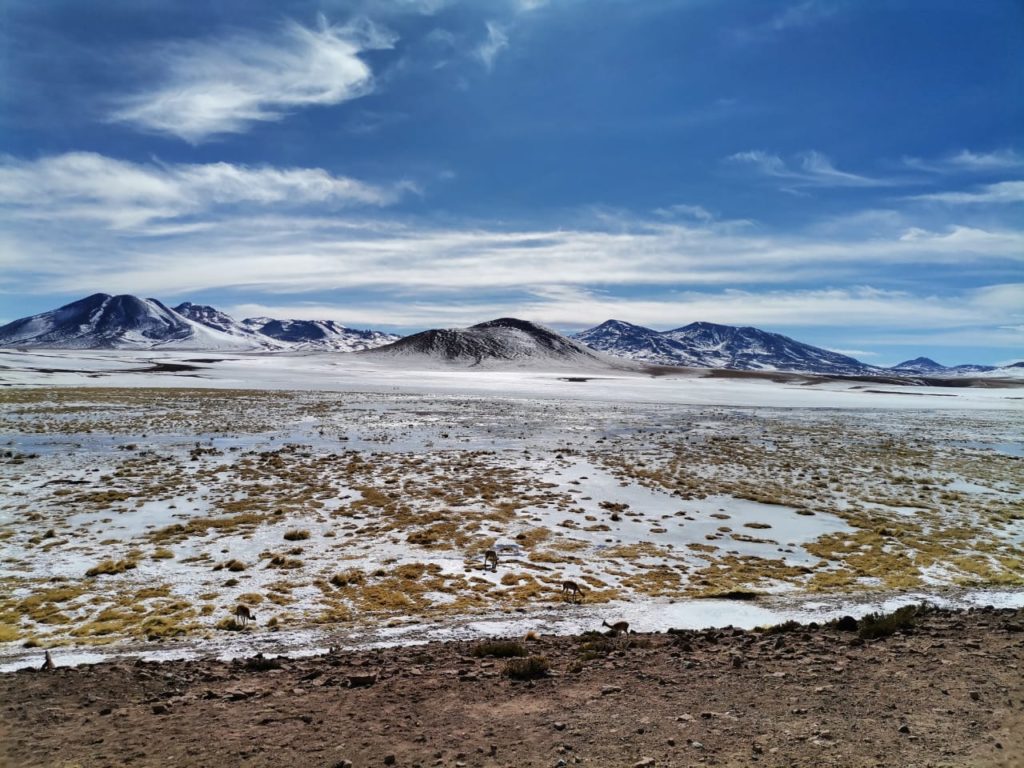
48	662
491	558
572	589
243	615
619	627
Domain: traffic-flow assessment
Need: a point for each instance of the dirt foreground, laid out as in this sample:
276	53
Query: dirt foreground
949	692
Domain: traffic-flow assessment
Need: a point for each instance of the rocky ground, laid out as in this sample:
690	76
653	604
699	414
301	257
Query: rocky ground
947	692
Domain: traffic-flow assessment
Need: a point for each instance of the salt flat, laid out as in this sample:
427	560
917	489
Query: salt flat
349	502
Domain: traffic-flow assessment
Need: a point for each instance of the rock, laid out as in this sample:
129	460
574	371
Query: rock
685	718
975	695
696	745
645	762
558	726
904	728
847	624
160	709
610	689
343	764
389	760
362	681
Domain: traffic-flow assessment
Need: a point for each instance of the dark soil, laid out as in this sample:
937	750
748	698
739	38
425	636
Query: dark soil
947	692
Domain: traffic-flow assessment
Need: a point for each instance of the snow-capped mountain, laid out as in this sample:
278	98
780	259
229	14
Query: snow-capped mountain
101	321
503	342
708	345
318	334
923	365
927	367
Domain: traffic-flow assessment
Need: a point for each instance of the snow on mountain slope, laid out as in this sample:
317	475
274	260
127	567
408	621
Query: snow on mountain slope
928	367
318	334
708	345
505	342
102	321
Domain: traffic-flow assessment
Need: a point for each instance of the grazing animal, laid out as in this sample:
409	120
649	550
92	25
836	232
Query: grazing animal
491	558
619	627
243	615
572	589
48	662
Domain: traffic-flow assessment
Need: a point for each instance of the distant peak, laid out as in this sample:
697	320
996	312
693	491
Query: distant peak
920	362
511	322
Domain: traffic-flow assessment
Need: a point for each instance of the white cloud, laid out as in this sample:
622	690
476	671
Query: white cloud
852	308
810	168
1001	192
206	88
698	212
858	353
84	185
495	42
795	16
82	222
966	161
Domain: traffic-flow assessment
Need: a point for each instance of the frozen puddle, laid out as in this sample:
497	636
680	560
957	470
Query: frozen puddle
644	515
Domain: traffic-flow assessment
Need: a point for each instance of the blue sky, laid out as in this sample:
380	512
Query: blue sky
847	173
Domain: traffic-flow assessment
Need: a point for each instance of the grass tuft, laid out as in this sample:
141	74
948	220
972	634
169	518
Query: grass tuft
501	649
109	567
876	625
530	668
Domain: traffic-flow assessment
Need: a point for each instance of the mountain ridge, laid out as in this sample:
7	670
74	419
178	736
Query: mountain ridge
502	342
103	321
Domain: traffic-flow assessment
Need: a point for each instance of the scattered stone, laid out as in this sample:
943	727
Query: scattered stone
904	728
362	681
645	762
975	695
610	689
558	726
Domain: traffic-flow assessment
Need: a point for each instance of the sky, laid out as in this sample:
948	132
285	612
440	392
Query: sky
848	173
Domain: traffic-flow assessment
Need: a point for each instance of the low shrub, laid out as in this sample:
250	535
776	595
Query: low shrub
110	567
778	629
502	649
529	668
348	578
296	535
260	663
876	625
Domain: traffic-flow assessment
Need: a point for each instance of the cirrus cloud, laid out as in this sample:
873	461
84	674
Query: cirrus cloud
207	88
86	185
